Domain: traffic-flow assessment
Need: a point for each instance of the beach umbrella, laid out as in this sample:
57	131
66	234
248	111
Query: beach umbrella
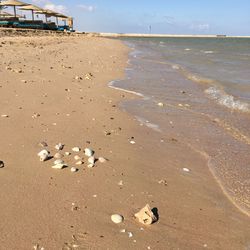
13	3
47	13
32	8
6	14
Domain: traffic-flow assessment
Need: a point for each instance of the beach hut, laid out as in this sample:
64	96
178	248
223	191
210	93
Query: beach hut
47	13
32	8
14	4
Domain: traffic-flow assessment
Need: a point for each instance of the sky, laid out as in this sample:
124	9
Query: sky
229	17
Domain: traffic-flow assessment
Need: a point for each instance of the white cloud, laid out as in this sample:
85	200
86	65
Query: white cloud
200	26
51	6
88	8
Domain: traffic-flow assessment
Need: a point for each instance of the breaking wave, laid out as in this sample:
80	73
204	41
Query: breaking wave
227	100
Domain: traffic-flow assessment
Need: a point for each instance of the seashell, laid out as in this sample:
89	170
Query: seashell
59	166
67	153
160	104
79	162
89	152
58	161
58	156
73	169
77	157
91	165
186	170
59	146
130	235
91	160
102	159
132	142
44	155
117	218
76	149
1	164
146	216
5	116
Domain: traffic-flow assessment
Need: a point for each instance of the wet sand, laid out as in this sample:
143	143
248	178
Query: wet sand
45	99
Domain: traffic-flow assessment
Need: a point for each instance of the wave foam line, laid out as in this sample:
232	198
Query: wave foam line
227	100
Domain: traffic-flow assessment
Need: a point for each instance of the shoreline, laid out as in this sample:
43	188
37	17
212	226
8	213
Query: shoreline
193	211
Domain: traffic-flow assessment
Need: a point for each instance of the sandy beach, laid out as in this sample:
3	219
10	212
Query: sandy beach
54	89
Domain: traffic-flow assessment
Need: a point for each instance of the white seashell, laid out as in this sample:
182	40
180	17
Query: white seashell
58	156
58	162
130	235
160	104
44	155
132	142
102	159
59	166
59	146
91	165
73	169
67	153
117	218
186	170
79	162
89	152
76	149
77	157
91	160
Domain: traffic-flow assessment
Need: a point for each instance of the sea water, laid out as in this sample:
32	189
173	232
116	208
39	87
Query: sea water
204	85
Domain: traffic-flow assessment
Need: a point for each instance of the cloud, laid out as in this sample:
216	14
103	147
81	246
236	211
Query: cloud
88	8
51	6
200	26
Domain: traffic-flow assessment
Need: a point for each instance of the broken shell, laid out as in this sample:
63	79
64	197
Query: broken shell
58	162
67	153
102	159
73	169
59	166
1	164
91	160
146	216
117	218
58	156
77	157
89	152
44	155
59	146
76	149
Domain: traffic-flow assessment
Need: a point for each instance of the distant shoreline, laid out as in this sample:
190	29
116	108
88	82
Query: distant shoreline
161	35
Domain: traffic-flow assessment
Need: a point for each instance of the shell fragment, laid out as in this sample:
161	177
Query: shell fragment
117	218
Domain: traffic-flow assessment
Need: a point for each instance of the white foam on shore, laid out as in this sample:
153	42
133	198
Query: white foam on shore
148	124
125	90
227	100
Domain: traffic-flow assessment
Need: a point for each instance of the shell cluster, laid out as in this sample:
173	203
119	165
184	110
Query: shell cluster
60	157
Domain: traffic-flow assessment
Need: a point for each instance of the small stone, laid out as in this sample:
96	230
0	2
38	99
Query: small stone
88	152
23	81
59	146
130	235
44	155
91	165
1	164
76	149
79	162
146	216
120	183
58	162
123	231
67	153
59	166
43	144
91	160
132	142
117	218
4	116
77	157
58	156
73	169
102	159
160	104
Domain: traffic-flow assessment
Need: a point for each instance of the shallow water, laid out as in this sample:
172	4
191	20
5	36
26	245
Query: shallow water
204	85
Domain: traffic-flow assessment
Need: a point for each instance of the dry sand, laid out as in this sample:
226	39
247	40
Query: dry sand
44	102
